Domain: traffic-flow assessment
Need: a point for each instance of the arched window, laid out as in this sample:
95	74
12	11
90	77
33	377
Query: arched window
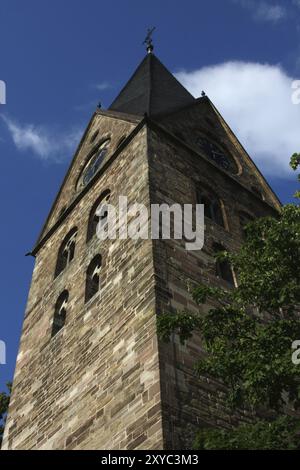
60	312
93	278
66	251
94	218
223	268
215	151
212	206
94	162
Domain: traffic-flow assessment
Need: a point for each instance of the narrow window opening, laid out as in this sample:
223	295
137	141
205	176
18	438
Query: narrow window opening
93	278
60	313
223	268
212	207
94	218
66	251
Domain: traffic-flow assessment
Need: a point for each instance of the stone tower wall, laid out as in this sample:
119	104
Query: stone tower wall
104	381
95	385
190	402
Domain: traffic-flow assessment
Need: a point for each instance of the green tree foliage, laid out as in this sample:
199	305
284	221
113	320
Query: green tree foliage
282	433
248	337
251	353
295	163
4	402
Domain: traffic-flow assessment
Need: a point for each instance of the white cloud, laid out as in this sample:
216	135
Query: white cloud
271	13
255	100
102	86
264	11
41	141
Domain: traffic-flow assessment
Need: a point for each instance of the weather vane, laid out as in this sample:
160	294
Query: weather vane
148	40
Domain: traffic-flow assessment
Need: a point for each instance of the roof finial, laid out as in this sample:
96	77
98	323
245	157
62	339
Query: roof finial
148	40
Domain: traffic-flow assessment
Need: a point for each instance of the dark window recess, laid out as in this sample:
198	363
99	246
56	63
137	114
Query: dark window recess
93	278
60	312
212	207
66	251
94	218
94	136
223	268
217	215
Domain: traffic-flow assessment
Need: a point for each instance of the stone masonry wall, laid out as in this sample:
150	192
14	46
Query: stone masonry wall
95	385
190	402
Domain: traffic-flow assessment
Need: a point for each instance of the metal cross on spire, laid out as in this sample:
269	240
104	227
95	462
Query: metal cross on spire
148	40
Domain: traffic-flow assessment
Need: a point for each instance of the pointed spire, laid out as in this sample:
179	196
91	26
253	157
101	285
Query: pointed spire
152	89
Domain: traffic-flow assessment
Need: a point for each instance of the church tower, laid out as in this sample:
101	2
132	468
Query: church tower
91	372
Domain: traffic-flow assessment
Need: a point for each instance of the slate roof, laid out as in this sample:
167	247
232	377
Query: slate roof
152	89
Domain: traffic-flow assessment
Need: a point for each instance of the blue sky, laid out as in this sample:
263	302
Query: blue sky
60	58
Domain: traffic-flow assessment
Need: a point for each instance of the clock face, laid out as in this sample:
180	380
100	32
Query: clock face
215	153
95	163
